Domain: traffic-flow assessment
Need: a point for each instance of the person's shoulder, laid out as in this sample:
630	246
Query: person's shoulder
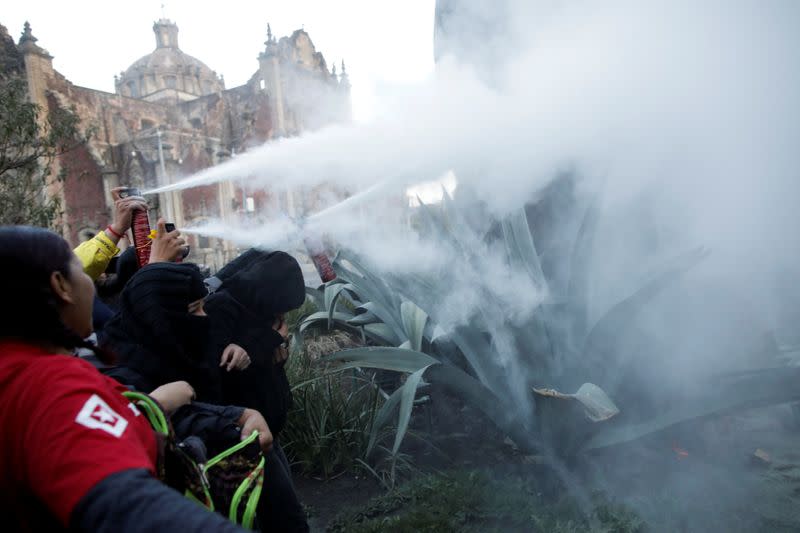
54	370
221	302
32	379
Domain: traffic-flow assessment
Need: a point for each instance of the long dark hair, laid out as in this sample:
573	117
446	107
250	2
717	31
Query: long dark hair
28	257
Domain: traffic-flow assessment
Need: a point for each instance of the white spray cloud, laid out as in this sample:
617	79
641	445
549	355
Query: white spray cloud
689	113
685	114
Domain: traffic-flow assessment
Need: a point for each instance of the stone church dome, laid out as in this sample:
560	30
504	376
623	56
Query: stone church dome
168	73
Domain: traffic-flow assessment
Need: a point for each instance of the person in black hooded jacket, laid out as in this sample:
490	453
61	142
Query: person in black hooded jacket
247	315
247	312
160	333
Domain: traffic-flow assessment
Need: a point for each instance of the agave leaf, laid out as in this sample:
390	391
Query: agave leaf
382	418
386	317
332	294
315	319
381	333
599	355
384	357
363	319
414	320
521	249
433	223
761	388
316	296
596	403
406	404
480	397
580	263
479	354
366	281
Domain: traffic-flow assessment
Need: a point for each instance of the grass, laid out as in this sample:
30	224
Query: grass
328	428
472	501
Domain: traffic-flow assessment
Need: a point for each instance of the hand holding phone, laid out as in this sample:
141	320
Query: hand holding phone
168	246
186	249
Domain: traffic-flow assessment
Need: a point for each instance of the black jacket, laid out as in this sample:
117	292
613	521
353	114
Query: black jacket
262	386
153	336
242	312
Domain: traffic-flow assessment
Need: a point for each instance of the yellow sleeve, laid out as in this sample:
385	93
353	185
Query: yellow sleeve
95	254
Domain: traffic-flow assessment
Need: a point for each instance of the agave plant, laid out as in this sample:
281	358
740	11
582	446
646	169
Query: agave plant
559	346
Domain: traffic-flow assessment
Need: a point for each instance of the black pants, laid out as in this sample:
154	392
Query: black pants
279	509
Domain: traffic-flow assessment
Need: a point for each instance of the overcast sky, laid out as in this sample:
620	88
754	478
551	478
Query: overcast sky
381	41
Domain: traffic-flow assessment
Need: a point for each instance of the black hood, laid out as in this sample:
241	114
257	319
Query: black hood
271	285
241	263
153	332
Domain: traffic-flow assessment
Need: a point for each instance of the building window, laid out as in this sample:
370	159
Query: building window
146	124
132	89
263	85
170	82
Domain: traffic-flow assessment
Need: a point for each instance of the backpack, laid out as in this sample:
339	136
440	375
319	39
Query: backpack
229	483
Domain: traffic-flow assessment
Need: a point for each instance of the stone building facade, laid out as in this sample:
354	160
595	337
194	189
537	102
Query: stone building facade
171	116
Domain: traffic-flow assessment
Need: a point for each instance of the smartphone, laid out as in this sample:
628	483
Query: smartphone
170	227
129	191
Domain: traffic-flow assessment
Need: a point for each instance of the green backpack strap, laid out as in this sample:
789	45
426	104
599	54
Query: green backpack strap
158	420
151	410
249	490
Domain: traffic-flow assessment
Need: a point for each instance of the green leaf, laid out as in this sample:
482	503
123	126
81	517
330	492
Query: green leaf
414	320
316	296
332	294
386	317
471	391
479	354
580	269
381	333
520	248
384	357
382	418
761	388
324	317
599	353
364	318
434	224
596	403
409	389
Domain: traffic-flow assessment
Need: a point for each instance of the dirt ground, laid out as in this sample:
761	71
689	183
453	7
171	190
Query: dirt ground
737	474
323	500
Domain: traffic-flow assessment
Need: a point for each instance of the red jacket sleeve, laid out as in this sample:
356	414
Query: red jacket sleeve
77	430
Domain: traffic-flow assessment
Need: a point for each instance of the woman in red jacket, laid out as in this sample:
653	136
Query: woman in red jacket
75	453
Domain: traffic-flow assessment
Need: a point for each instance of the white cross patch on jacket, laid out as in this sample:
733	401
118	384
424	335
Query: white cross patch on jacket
96	414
